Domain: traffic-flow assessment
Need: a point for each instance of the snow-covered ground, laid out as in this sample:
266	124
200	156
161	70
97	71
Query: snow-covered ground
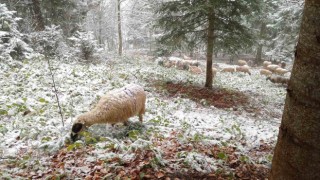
30	123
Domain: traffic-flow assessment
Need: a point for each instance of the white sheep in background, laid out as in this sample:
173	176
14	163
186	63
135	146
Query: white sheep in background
195	69
278	79
266	64
244	69
281	71
214	72
169	64
116	106
265	72
272	67
283	64
186	57
229	69
182	65
192	62
242	62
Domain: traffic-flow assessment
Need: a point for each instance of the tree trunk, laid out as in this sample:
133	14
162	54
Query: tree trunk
259	49
119	29
297	153
210	38
100	26
39	23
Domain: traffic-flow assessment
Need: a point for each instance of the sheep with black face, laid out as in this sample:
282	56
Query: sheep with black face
116	106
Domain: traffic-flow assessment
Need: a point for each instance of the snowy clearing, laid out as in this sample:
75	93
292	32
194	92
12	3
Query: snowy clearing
32	137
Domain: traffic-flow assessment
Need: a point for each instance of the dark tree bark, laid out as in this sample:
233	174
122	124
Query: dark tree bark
39	23
297	153
119	29
210	45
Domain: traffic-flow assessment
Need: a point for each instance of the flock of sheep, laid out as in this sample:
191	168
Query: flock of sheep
120	104
274	72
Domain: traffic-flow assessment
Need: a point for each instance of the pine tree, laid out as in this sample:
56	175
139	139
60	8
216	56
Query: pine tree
205	21
12	41
297	153
64	13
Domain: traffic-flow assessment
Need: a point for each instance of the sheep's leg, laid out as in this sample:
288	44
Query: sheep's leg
140	117
141	113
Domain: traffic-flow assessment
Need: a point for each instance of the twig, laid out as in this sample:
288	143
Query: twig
55	90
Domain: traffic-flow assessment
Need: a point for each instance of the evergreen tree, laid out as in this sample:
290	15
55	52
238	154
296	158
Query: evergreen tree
12	42
285	27
297	152
206	21
67	14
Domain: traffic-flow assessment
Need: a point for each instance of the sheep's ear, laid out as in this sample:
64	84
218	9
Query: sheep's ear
77	127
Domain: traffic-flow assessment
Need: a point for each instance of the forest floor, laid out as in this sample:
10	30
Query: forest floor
188	132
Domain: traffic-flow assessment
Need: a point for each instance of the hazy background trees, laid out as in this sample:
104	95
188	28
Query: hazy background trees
272	26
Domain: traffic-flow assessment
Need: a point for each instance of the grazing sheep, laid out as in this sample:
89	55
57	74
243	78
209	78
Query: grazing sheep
265	72
195	69
278	79
242	62
116	106
182	65
186	57
266	64
272	67
192	62
168	64
281	71
229	69
282	64
214	72
244	69
172	58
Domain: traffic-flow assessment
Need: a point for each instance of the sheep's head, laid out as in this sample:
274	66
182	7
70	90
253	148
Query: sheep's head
76	128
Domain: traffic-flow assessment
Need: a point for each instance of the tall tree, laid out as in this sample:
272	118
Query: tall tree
283	29
39	23
65	13
297	153
208	20
119	28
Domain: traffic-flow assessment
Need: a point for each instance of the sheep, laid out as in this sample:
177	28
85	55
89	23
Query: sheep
278	79
214	72
266	64
229	69
195	69
186	57
281	71
116	106
265	72
272	67
242	62
192	62
182	65
282	64
168	64
244	69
